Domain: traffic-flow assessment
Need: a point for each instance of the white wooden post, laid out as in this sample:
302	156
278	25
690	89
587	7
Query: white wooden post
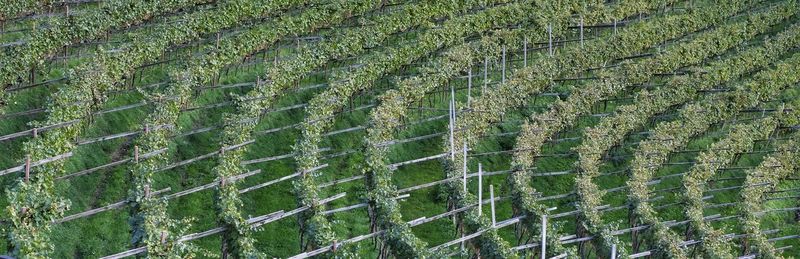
491	202
544	236
480	189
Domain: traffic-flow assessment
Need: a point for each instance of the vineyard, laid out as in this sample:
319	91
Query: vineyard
400	128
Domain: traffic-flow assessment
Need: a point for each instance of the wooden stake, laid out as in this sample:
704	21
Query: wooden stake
485	74
27	168
469	86
581	25
218	35
504	65
35	132
136	154
550	38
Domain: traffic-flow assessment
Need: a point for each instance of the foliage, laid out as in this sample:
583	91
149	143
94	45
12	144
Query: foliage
113	14
759	181
695	118
34	204
740	139
323	106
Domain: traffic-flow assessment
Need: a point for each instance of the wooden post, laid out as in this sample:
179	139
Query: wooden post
27	168
35	132
136	154
544	236
217	44
581	25
550	38
615	27
485	74
504	64
491	202
469	86
480	189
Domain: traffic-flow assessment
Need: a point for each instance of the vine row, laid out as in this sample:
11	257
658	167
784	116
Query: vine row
63	32
695	119
323	106
33	203
722	153
611	130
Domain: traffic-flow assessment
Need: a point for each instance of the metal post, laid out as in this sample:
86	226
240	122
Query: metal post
480	189
491	202
465	168
525	53
544	236
613	251
452	123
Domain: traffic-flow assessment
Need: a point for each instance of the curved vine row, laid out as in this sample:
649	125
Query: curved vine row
239	127
694	119
783	163
740	139
16	8
62	32
198	71
531	80
33	203
611	130
323	106
238	238
387	117
535	132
